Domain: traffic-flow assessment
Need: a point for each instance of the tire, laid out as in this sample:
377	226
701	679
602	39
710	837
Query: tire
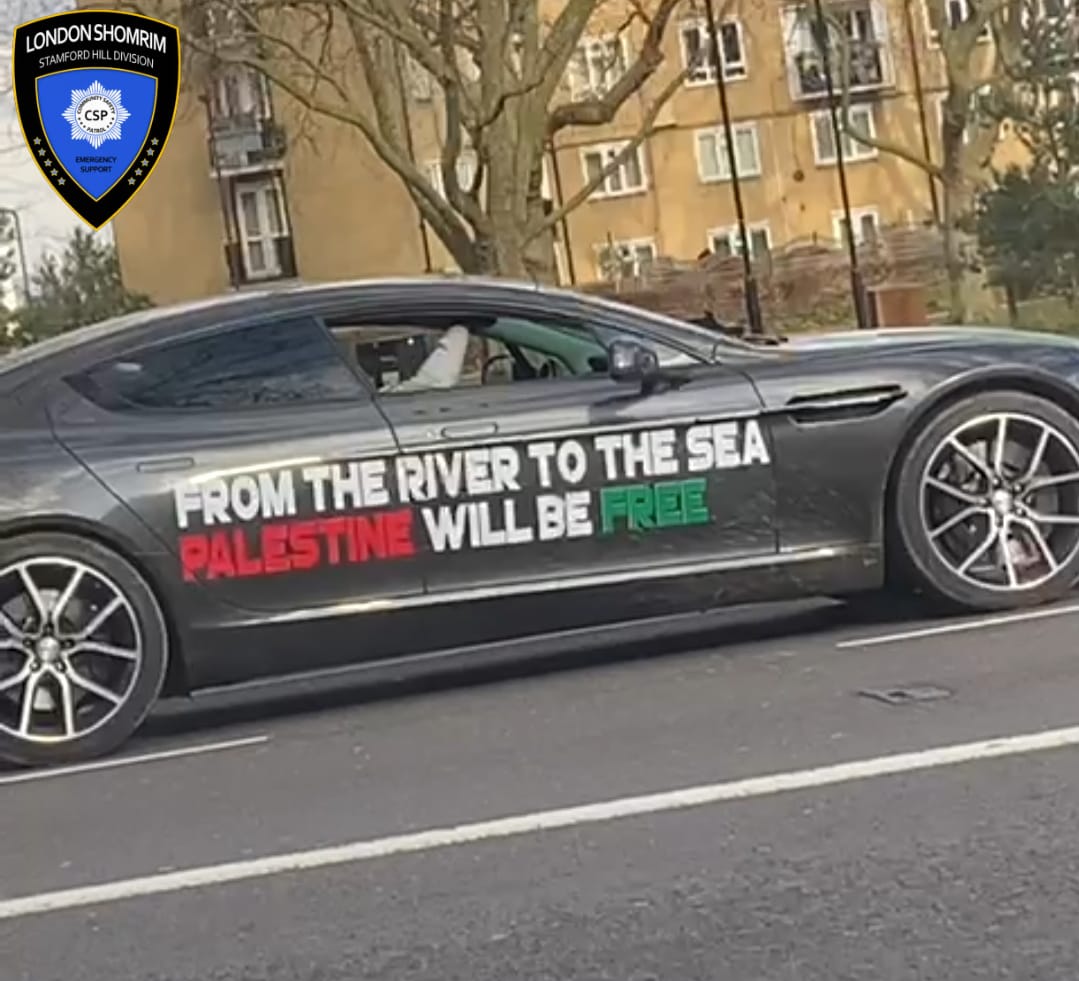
88	691
933	541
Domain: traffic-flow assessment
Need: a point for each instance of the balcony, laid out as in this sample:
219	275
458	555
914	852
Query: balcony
860	28
245	143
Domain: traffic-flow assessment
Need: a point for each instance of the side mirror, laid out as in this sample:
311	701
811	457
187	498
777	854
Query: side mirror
630	361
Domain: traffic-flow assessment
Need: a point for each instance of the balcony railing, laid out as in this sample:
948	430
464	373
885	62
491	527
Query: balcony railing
245	143
868	69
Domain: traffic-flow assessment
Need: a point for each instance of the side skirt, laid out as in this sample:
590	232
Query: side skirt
474	624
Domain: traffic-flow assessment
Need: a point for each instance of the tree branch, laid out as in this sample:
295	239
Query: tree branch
856	132
646	129
596	112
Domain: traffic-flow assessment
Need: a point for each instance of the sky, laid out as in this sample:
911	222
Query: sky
46	220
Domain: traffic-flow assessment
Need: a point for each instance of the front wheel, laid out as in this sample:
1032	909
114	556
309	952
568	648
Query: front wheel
83	649
986	504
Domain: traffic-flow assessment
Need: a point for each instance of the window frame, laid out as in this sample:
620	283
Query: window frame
362	394
605	149
736	72
870	152
433	171
856	215
748	126
268	238
632	243
731	234
450	309
587	88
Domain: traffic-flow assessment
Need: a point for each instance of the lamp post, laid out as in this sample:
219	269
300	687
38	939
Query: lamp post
21	246
753	300
856	284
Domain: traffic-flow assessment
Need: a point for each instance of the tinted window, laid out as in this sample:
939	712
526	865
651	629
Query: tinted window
271	364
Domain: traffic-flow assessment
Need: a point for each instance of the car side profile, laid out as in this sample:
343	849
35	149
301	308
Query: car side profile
319	477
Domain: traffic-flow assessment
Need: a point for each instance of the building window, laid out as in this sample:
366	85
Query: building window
957	12
465	167
726	242
824	136
628	177
866	225
239	93
261	222
864	29
626	259
597	64
713	162
697	51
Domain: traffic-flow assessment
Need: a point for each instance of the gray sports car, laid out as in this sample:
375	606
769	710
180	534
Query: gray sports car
295	481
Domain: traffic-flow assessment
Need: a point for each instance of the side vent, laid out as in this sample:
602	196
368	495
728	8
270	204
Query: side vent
847	403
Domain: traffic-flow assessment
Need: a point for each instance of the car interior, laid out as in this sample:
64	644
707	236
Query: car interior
500	349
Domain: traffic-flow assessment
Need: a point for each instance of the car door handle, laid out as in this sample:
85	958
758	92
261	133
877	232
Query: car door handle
469	430
166	465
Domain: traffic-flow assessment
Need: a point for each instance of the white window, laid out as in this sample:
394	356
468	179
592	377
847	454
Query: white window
697	51
866	225
956	12
261	223
728	241
597	64
629	177
240	92
824	149
466	172
625	259
713	161
864	25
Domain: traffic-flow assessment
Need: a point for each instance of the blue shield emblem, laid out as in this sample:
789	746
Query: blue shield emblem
96	93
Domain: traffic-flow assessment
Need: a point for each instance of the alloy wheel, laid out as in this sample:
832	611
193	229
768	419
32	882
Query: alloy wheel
999	501
70	649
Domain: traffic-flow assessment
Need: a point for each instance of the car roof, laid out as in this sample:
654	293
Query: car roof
202	312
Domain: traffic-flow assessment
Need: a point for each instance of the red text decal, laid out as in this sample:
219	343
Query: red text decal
287	546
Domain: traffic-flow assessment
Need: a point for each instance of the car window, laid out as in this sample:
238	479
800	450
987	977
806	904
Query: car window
467	352
267	364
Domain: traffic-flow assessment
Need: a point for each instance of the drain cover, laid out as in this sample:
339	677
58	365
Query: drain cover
903	694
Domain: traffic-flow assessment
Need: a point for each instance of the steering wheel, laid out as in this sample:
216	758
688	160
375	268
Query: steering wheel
493	362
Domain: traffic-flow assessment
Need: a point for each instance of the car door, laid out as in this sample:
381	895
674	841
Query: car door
256	455
553	478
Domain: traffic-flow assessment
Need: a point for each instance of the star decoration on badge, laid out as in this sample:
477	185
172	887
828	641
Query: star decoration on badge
96	114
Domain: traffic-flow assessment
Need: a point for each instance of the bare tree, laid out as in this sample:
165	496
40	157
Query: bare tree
496	68
967	139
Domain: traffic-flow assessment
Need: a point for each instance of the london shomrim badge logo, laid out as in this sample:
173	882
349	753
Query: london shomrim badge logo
96	93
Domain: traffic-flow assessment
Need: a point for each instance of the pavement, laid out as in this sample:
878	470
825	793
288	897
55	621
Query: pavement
798	792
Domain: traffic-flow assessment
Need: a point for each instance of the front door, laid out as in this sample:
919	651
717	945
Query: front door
535	467
258	457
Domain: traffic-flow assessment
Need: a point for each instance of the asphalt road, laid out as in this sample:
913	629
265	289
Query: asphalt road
921	861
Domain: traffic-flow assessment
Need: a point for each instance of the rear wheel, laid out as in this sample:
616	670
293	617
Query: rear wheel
83	649
987	502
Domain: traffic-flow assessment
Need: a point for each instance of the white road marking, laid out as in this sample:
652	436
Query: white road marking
567	817
119	761
955	628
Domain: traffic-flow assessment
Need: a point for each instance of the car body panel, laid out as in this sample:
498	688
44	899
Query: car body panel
805	517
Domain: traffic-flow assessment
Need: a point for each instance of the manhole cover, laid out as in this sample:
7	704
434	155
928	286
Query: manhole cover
903	694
